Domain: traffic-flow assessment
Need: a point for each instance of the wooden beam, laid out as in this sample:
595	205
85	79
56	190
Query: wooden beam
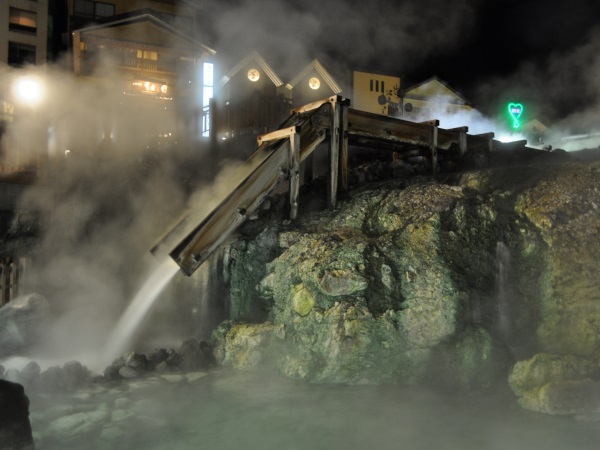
278	134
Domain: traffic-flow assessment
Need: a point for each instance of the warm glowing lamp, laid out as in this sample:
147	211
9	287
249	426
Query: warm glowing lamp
28	90
253	75
314	83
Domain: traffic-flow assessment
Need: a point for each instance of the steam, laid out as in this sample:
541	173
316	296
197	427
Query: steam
105	197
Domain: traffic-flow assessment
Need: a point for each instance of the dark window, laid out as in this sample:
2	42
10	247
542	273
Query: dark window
371	85
92	9
84	8
104	10
21	20
20	54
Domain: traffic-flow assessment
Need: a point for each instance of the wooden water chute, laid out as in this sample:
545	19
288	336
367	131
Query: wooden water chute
280	153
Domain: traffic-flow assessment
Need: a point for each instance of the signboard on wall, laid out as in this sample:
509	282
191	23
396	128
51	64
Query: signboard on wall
7	111
149	87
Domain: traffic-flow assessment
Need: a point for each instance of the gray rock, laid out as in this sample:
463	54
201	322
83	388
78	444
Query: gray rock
75	375
136	361
21	322
15	428
128	372
192	355
52	379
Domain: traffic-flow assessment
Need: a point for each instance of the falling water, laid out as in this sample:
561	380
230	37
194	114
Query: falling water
503	289
138	308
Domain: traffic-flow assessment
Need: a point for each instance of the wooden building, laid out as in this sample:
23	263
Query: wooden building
312	83
251	99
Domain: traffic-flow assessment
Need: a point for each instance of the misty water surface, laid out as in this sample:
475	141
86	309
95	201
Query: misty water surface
225	410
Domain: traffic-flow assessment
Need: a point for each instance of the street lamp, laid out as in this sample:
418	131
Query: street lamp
30	129
28	90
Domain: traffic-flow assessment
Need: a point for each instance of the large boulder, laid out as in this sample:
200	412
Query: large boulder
21	323
557	384
15	428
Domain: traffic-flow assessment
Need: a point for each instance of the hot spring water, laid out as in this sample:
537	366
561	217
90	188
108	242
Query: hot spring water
138	309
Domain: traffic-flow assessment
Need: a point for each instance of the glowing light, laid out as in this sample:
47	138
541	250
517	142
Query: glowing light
253	75
314	83
29	90
515	110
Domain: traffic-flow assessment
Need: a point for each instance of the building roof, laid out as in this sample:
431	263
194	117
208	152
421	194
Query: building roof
318	67
140	16
420	90
254	56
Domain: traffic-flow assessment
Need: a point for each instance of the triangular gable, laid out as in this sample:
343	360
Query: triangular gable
253	57
144	29
318	67
434	87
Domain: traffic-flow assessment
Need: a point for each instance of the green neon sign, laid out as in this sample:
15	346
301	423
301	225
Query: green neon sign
515	110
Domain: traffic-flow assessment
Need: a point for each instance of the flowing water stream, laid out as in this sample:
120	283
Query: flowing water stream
138	309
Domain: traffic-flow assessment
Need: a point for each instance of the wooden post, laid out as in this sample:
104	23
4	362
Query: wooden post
334	149
433	140
344	145
294	168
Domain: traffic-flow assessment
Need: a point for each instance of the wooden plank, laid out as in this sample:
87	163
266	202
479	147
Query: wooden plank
366	125
278	134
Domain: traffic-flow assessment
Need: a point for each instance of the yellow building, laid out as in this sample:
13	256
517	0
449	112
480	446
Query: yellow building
375	93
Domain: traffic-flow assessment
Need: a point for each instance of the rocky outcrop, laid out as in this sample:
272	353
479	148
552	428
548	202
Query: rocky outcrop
15	428
20	323
447	280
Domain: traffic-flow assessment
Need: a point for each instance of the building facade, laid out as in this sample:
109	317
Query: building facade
23	32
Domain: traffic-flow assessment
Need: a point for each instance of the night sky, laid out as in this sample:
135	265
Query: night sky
541	52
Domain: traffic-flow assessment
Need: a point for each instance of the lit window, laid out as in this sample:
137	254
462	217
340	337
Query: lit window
145	54
207	94
21	20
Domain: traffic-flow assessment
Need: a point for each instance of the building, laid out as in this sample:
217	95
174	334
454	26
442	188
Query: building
251	99
312	83
23	32
376	93
160	69
432	99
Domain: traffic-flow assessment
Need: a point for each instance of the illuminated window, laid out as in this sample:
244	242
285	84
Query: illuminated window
21	20
145	54
207	94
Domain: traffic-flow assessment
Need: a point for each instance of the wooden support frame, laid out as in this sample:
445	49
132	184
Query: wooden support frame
294	169
344	144
433	143
462	139
334	154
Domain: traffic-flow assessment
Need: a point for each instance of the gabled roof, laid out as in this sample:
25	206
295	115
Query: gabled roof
318	67
418	91
141	16
254	56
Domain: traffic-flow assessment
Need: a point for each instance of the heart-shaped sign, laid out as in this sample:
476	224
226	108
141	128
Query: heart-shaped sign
515	110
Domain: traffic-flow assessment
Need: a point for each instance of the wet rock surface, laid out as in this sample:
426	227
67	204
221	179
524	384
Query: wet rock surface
470	272
15	428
